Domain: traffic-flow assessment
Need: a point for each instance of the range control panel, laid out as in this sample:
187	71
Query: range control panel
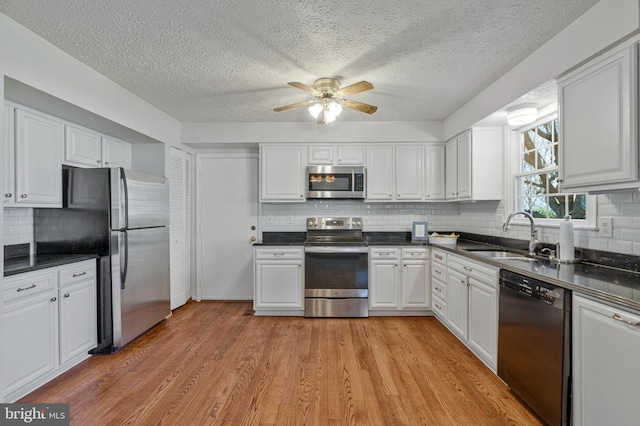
334	223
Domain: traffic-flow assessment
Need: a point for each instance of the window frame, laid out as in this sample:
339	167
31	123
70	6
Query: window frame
514	173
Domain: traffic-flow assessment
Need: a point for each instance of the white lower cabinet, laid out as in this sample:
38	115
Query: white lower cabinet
439	284
472	306
399	279
605	380
278	281
49	324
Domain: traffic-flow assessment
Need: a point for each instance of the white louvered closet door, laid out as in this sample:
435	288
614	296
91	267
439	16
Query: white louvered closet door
180	214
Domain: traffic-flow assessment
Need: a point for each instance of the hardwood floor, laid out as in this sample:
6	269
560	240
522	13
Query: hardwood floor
216	363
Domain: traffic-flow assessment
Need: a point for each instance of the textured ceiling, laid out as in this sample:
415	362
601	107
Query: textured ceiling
229	61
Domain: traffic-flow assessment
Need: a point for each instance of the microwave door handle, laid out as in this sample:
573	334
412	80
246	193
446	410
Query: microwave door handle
353	180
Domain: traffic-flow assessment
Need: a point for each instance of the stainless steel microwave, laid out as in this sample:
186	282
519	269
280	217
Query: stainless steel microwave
336	182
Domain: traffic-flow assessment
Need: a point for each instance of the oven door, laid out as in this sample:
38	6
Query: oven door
336	272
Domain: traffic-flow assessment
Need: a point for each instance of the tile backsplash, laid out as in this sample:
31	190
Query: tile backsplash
18	226
483	217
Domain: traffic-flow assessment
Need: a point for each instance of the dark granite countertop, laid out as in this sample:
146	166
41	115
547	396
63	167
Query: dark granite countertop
608	283
28	263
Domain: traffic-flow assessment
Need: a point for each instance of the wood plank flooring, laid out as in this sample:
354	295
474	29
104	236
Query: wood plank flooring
216	363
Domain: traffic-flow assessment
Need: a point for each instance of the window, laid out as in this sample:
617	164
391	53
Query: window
537	181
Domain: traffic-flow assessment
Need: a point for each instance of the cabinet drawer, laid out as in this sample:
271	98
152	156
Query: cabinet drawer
439	307
483	273
77	272
382	253
439	289
439	257
439	272
27	284
415	253
279	253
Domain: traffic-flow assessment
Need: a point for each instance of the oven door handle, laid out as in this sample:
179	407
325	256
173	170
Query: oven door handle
335	249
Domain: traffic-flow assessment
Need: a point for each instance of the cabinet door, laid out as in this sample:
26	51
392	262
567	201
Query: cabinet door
82	147
30	341
483	321
77	319
282	173
465	166
116	153
606	344
457	303
278	284
451	170
383	285
416	292
8	155
351	155
409	173
598	121
321	154
380	173
38	160
434	177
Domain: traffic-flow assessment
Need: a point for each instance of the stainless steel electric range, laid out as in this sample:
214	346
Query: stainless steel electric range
336	268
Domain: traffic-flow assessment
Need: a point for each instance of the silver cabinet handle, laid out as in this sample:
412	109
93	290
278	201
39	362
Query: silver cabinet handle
106	163
53	299
8	195
19	289
438	272
66	295
99	161
80	274
438	289
278	254
466	268
619	318
23	195
253	239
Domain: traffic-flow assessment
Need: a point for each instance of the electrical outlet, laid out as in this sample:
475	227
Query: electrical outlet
290	219
605	227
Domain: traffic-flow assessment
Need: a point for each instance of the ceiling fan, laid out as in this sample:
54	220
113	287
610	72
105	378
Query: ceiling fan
330	99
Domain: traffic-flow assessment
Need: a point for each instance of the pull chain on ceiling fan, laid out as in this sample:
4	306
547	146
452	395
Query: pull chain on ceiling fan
330	99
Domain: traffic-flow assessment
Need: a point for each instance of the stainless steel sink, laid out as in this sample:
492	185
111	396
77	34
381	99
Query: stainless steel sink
502	255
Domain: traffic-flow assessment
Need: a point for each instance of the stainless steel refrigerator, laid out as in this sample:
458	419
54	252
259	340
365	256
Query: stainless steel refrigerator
121	216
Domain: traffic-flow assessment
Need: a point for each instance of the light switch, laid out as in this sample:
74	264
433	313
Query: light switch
605	227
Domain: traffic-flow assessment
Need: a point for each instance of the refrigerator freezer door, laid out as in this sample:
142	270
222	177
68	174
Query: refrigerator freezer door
139	200
141	259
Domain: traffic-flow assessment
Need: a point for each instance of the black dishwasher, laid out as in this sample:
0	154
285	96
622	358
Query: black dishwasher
534	344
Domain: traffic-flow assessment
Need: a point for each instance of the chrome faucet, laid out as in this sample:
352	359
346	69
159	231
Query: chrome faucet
533	240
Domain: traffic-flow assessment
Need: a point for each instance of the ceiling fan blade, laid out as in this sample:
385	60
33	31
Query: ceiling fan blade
359	106
297	104
304	87
354	88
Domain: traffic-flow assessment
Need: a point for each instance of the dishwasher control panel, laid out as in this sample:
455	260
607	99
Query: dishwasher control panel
531	287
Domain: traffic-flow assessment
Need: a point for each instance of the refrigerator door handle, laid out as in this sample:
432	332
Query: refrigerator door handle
125	191
124	259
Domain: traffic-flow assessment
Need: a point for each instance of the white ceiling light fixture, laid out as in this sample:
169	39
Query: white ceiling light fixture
522	114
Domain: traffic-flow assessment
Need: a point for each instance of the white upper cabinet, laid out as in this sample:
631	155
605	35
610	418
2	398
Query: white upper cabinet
8	155
395	172
348	155
38	160
598	123
86	148
434	167
409	173
380	173
473	165
115	153
282	173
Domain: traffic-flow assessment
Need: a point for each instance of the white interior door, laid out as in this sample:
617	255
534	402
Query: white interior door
228	220
180	226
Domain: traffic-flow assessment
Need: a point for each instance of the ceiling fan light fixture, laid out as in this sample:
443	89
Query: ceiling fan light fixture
522	114
315	109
